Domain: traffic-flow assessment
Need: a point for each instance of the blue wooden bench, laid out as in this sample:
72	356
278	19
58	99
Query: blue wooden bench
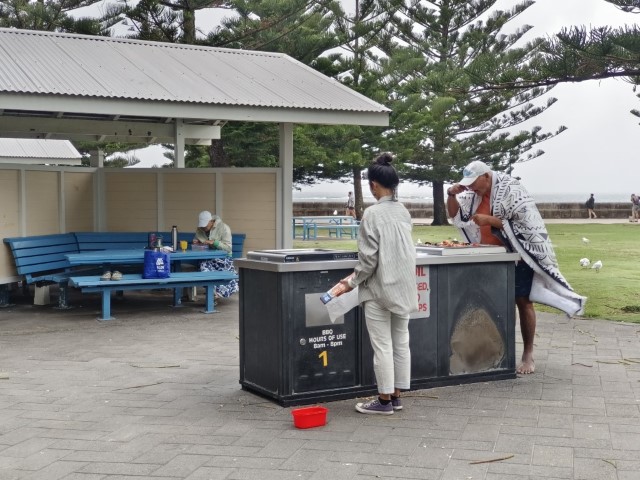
209	280
41	261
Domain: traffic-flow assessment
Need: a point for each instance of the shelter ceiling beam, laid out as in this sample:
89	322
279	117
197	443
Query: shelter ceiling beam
103	130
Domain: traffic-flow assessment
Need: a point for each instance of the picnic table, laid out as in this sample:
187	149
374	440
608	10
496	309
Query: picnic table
338	224
109	258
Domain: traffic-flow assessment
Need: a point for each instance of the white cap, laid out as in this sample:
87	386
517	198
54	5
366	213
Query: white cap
472	171
204	218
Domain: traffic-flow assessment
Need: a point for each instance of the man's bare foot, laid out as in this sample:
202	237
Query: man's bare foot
527	365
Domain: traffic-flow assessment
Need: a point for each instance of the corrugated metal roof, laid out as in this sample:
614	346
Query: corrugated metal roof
37	62
21	150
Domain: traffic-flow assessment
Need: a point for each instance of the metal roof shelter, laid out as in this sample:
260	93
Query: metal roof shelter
78	87
35	152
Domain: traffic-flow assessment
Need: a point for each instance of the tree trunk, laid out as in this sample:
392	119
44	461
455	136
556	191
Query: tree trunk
439	206
189	26
357	191
217	155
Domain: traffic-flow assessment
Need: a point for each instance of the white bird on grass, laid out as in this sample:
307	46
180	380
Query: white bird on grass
584	262
419	242
585	240
597	265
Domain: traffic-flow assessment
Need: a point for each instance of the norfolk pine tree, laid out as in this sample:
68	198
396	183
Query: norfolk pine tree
439	123
348	149
577	54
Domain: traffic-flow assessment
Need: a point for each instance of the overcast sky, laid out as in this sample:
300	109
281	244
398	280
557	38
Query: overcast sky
599	151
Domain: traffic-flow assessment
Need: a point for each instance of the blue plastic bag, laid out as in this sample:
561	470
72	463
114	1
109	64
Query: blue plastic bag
156	264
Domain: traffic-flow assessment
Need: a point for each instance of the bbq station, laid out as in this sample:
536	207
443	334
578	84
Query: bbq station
293	353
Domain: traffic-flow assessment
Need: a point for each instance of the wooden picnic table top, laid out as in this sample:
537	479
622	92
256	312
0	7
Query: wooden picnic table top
134	256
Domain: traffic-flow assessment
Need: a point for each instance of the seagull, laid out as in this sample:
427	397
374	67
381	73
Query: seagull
597	265
335	212
585	240
584	262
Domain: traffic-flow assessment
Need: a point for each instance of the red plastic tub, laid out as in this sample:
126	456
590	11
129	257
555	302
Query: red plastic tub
309	417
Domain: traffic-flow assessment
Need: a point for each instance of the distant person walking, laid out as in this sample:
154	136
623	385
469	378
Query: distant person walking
351	205
590	204
635	208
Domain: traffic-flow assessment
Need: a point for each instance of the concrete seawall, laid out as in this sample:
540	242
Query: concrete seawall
620	210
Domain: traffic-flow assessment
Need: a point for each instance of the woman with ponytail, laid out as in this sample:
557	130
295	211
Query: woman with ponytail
386	280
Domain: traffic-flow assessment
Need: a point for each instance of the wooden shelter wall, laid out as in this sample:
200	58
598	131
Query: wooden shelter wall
68	199
250	206
186	194
9	216
79	201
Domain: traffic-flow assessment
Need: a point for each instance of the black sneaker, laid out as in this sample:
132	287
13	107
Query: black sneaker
396	403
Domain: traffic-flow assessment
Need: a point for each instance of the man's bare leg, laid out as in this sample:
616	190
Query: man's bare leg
528	330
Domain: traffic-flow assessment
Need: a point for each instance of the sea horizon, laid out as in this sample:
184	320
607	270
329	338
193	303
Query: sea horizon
328	196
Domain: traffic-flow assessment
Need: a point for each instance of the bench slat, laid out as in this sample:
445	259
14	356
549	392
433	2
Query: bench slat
43	267
41	241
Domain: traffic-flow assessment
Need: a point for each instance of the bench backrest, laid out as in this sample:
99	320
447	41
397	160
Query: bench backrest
237	244
88	241
41	254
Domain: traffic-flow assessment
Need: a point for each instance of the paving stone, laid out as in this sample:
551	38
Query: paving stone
628	475
181	466
385	471
553	456
625	441
594	469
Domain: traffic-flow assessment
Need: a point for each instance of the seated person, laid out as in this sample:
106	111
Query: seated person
214	232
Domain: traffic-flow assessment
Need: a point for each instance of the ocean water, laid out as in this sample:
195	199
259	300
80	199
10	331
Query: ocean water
424	196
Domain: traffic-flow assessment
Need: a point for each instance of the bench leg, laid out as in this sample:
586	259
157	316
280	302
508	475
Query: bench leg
210	304
177	297
41	295
106	305
4	296
63	296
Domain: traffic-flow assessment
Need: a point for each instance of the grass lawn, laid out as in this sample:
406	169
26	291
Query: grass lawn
613	293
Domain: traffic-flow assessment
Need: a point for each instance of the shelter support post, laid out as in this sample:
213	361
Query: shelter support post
284	239
178	146
96	158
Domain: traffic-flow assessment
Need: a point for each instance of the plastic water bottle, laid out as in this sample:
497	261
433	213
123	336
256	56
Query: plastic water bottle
174	238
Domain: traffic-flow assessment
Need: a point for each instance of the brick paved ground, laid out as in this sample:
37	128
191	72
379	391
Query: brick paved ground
155	395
